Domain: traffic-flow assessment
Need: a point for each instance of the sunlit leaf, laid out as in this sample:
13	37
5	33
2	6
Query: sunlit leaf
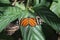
10	14
55	7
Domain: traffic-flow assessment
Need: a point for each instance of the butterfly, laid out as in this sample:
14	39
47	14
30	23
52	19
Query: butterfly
28	21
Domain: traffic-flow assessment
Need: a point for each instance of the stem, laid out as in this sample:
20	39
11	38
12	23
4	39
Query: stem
14	2
27	4
31	10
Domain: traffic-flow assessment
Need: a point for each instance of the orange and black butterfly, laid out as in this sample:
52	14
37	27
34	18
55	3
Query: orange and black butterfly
14	26
28	21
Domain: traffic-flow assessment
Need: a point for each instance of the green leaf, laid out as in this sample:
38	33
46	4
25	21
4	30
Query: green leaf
2	9
39	3
3	6
10	14
49	17
5	1
32	33
55	7
21	5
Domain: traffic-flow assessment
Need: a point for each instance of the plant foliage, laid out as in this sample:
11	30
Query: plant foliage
30	8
